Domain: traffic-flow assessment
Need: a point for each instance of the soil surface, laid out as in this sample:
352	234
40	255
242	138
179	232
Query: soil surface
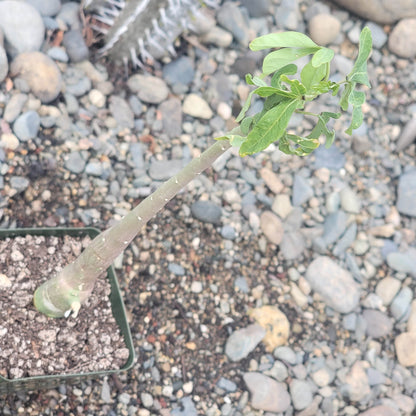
32	344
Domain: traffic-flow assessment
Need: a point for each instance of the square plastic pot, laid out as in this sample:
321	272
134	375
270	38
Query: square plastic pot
51	381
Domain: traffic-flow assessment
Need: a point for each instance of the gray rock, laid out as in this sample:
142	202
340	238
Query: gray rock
287	15
75	163
227	385
402	40
334	227
195	106
380	11
121	111
350	201
272	227
228	232
267	394
77	85
292	245
302	191
137	157
349	321
408	135
75	45
346	240
176	269
161	170
334	284
403	262
94	168
26	126
58	54
301	393
259	8
206	211
22	26
285	354
186	408
400	307
4	64
19	183
149	89
315	8
171	117
179	74
243	341
230	17
69	14
331	158
378	34
381	410
105	391
46	7
14	107
378	323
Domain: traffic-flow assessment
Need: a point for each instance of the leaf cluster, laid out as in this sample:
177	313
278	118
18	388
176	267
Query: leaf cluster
283	96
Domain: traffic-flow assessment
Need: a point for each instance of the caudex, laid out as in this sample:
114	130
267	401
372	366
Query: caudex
285	90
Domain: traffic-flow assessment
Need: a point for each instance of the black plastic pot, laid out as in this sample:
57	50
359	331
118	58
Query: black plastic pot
117	305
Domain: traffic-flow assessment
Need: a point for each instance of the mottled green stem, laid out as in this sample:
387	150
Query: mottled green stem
71	287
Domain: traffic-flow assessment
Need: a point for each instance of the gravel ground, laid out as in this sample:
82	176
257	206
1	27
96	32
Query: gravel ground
273	285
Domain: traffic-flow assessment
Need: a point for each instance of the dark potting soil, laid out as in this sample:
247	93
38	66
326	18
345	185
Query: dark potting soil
32	344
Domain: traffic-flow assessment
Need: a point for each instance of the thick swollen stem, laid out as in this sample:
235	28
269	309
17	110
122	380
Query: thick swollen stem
66	292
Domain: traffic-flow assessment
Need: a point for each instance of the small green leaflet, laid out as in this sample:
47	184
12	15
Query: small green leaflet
359	71
290	69
356	99
280	58
311	76
321	128
322	56
282	40
292	144
270	127
267	91
295	86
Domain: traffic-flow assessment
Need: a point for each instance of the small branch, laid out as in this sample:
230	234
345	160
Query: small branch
75	282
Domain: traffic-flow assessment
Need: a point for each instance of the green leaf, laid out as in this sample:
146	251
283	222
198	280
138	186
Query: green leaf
295	86
321	128
359	71
311	76
245	125
280	58
246	106
344	102
270	127
282	40
267	91
292	144
322	56
356	120
289	69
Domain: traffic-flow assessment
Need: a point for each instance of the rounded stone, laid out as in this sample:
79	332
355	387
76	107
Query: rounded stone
41	74
272	227
405	348
196	106
149	89
324	28
402	40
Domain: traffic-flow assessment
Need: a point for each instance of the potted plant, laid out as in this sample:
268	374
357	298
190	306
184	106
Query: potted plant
65	293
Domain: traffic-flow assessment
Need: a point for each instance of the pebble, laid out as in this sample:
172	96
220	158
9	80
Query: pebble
4	64
121	112
378	323
75	162
403	262
75	46
146	399
41	74
380	12
405	350
387	289
334	284
161	170
381	410
276	324
285	354
196	106
243	341
14	107
350	201
186	408
301	394
58	54
227	385
331	158
22	27
231	18
267	394
272	180
69	15
357	386
105	391
287	15
346	240
400	306
406	194
19	183
179	74
378	35
324	28
407	136
4	281
402	39
272	227
46	7
282	206
148	88
218	36
171	117
206	211
301	191
27	126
